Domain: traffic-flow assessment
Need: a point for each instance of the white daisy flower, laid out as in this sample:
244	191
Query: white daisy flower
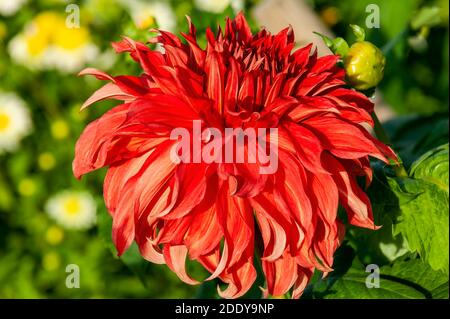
48	43
10	7
15	121
72	209
218	6
146	13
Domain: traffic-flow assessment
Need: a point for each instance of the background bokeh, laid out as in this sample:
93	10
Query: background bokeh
49	220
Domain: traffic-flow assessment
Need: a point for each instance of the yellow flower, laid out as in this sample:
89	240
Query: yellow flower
71	38
4	121
10	7
147	14
330	16
60	129
364	65
72	209
15	121
54	235
51	261
46	161
47	42
27	187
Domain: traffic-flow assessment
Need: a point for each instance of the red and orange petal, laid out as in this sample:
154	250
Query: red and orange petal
218	213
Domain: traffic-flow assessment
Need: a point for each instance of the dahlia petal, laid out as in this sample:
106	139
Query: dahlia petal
274	237
350	110
354	200
145	234
176	56
108	91
191	38
97	73
204	233
325	63
116	178
151	252
326	193
304	275
291	188
275	90
157	171
89	149
174	231
281	105
217	268
308	146
302	55
298	114
232	86
239	280
168	38
308	84
215	69
123	222
140	53
294	195
325	199
163	201
161	109
191	189
352	97
275	224
242	27
345	139
237	227
334	81
280	274
175	257
122	87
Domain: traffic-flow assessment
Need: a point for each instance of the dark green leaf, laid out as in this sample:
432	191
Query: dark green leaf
423	199
410	279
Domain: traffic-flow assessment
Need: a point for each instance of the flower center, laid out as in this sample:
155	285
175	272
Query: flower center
72	206
50	29
145	21
5	122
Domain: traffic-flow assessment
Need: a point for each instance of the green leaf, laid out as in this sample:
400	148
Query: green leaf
353	286
423	200
338	46
328	41
433	167
434	284
359	32
411	279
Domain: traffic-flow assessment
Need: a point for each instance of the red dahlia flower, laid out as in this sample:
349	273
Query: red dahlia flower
216	213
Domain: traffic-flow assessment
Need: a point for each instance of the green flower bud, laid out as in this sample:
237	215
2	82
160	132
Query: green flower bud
364	64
